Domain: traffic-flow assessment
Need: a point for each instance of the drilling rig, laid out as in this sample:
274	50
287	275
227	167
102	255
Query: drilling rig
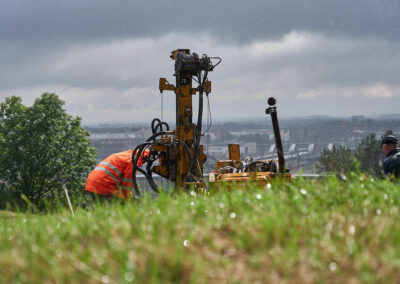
177	155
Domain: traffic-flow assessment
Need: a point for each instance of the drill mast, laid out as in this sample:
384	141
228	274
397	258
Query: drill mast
179	155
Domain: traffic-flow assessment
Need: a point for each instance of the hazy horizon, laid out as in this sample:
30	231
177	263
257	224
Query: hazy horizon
393	116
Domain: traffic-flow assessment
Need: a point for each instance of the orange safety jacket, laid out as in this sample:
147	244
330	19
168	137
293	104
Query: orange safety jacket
113	176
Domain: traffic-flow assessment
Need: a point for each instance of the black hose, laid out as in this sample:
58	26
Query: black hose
155	135
149	170
152	124
150	160
160	125
154	127
199	125
253	164
149	177
198	134
136	154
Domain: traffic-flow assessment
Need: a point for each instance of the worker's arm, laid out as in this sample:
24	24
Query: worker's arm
142	158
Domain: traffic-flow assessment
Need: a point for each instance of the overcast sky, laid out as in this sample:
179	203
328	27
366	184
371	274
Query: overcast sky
104	58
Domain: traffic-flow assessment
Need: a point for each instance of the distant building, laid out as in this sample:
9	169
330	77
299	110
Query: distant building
217	151
252	132
209	136
109	143
248	148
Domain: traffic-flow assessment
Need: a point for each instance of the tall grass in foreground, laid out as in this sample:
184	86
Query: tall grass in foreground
303	231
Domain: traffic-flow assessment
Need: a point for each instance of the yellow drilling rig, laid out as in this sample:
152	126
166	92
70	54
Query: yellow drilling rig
177	154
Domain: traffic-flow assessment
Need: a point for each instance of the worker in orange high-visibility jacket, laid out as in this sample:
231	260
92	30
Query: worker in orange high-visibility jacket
113	176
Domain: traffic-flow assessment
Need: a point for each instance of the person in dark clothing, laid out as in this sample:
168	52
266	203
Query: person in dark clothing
390	148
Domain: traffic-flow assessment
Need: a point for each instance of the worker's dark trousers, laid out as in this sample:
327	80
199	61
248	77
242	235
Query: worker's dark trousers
99	198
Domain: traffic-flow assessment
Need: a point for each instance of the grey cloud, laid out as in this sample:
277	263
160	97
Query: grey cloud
234	20
33	31
104	57
308	73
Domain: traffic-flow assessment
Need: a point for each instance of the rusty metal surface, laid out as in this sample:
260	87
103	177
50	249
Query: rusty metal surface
234	152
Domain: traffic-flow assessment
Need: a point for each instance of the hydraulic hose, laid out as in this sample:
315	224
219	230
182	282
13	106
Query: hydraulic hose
198	126
246	168
136	154
154	127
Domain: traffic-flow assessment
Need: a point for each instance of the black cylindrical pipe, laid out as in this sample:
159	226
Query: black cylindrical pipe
279	149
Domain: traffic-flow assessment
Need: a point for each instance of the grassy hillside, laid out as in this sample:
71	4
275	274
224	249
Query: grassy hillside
305	231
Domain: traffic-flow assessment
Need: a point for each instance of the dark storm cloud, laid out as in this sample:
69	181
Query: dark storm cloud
235	20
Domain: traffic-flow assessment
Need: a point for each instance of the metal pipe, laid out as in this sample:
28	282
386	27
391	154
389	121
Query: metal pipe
279	149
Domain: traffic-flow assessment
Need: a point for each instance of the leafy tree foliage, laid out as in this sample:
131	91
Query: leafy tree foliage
367	157
42	149
339	160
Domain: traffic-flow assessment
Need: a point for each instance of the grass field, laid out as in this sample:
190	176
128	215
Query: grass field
306	231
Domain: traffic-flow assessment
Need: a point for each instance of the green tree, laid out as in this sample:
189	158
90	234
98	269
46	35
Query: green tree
42	149
369	155
339	160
